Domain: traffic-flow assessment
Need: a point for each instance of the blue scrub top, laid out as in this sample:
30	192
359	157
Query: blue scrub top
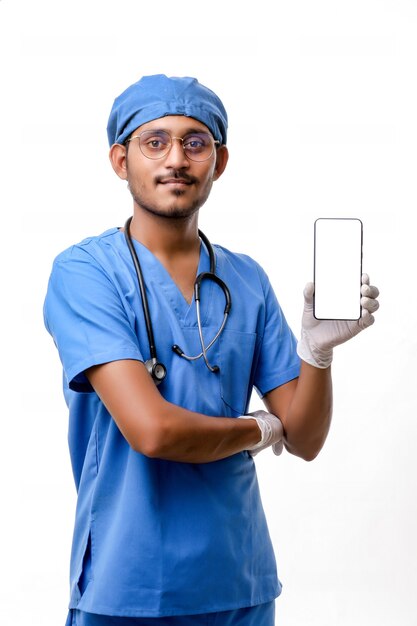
155	537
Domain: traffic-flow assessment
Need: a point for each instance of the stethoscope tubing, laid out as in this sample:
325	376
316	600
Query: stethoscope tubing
141	283
157	369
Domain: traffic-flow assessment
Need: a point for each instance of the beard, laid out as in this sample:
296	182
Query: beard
175	209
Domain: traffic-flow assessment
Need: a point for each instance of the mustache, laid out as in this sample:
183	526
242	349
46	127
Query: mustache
173	174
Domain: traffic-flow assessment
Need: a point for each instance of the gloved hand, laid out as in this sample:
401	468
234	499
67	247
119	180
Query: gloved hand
319	337
271	429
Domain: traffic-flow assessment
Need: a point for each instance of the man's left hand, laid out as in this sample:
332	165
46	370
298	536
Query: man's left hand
319	337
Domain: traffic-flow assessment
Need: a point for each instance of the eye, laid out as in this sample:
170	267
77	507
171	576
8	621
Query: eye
155	141
196	142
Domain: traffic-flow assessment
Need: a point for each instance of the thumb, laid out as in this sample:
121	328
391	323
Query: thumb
278	447
308	295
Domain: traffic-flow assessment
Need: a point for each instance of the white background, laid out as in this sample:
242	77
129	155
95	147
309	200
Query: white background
322	101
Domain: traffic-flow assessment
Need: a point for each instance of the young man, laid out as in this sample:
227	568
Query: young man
169	527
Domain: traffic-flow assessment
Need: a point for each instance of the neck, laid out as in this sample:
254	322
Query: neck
175	242
165	236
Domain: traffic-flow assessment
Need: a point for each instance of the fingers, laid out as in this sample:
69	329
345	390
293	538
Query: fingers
369	304
366	319
367	289
370	291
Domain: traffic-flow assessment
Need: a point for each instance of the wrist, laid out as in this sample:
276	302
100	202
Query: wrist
270	430
312	354
254	431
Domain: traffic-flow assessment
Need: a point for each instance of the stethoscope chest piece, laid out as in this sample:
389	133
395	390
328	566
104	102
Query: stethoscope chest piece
157	370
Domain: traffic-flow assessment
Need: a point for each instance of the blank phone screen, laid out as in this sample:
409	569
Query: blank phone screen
337	268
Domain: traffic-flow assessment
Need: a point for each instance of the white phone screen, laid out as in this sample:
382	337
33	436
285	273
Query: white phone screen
337	268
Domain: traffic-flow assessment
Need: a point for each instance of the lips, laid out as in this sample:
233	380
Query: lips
175	181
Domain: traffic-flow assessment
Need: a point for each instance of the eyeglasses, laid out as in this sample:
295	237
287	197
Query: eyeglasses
155	144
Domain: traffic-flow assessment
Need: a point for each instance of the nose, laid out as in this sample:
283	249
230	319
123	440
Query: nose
176	157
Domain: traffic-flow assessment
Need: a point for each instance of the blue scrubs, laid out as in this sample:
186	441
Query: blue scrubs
259	615
158	538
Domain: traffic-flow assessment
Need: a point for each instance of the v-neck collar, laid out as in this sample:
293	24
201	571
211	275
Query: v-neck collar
155	272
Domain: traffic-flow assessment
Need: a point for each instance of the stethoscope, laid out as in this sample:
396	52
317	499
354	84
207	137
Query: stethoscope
157	369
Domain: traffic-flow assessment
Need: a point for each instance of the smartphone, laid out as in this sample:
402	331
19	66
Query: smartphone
338	247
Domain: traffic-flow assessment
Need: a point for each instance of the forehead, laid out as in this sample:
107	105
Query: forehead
174	124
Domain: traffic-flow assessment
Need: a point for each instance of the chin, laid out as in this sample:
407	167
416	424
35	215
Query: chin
178	213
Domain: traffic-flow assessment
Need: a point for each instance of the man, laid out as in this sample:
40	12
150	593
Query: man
170	528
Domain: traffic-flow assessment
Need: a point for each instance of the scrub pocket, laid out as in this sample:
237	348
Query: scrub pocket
236	360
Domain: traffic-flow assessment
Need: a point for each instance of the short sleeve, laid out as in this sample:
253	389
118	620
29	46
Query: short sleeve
278	362
87	318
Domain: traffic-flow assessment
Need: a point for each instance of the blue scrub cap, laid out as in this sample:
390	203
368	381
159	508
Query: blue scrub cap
155	96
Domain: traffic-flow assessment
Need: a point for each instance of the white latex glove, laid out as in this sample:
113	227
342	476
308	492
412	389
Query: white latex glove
319	337
271	429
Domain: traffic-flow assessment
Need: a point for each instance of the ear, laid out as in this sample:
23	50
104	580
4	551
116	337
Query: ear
118	160
222	156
